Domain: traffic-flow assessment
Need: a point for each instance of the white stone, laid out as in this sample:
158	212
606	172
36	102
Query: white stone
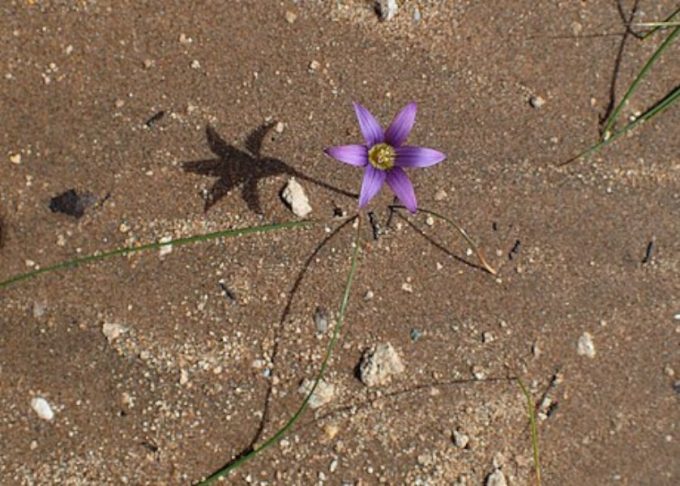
113	330
166	249
294	195
460	439
388	9
586	346
42	408
322	395
379	365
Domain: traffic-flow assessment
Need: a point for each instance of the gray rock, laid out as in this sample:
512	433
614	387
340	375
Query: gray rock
379	365
321	320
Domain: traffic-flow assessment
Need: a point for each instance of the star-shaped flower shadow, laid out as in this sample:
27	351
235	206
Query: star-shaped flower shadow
234	167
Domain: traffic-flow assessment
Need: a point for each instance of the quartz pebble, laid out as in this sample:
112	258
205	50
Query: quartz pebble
294	195
585	345
42	408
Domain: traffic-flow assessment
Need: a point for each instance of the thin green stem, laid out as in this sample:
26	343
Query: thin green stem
636	81
329	351
665	103
152	246
662	25
463	233
531	411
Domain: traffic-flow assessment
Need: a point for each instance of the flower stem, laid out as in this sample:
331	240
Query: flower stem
463	233
152	246
230	467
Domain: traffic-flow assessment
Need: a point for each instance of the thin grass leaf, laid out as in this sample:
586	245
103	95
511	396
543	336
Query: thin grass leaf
230	467
660	107
463	233
659	27
152	246
631	89
531	412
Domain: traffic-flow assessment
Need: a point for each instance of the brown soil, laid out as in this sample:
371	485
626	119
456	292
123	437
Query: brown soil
183	389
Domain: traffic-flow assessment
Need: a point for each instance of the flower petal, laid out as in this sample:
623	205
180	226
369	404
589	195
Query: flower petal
373	181
409	156
370	128
402	187
349	154
401	125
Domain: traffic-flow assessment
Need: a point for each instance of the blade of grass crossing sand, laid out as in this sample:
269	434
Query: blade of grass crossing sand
531	411
631	89
152	246
665	103
329	351
668	22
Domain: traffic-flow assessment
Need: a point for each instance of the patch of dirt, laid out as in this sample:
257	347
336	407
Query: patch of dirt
162	366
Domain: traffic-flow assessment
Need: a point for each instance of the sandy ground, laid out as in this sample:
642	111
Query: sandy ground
160	368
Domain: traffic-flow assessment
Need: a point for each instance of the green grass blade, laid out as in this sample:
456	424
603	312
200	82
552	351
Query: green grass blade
662	25
152	246
661	106
643	72
463	233
329	351
531	412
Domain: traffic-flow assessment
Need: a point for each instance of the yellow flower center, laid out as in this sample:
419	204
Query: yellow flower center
381	156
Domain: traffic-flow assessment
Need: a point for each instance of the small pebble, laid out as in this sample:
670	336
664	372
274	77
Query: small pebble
487	337
322	395
369	295
407	287
415	334
290	17
183	39
429	221
460	439
278	128
496	478
42	408
321	320
314	66
294	195
440	195
166	249
387	9
585	345
478	372
113	330
536	101
15	158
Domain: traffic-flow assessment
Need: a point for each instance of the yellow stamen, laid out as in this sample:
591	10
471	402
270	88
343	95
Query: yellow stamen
381	156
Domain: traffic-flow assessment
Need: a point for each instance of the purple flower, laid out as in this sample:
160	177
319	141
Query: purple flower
384	156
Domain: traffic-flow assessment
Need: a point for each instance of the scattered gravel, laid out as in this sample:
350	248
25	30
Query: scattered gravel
42	408
586	346
294	195
379	364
